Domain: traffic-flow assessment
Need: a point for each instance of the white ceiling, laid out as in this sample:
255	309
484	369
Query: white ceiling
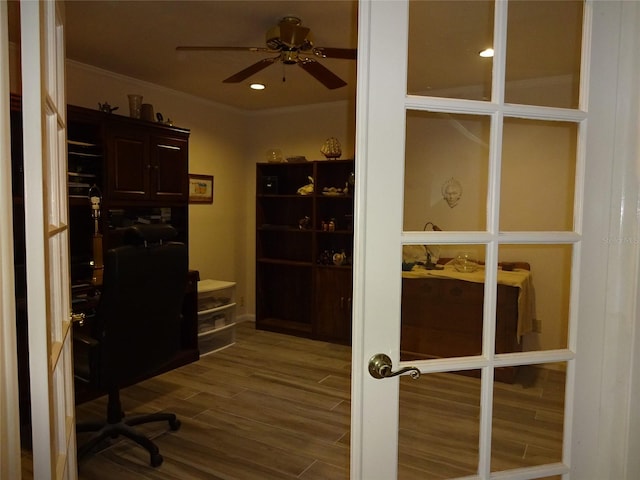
138	39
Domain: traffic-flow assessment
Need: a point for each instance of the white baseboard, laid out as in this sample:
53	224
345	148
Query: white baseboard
247	317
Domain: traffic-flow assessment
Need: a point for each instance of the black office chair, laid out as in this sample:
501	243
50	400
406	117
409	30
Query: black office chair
136	331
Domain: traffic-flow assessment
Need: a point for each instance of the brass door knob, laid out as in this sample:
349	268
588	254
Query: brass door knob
380	367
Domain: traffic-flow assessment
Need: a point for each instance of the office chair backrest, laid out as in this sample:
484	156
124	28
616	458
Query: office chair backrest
139	312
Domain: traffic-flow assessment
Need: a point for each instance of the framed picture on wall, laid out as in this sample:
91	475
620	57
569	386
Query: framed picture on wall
200	188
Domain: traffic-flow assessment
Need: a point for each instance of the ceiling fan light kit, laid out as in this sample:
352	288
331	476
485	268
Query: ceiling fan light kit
289	33
293	45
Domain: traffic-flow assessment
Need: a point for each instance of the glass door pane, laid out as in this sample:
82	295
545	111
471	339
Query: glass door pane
527	427
446	171
439	426
538	175
442	301
445	40
534	281
543	53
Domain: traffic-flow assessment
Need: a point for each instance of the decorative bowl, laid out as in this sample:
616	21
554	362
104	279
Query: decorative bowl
465	262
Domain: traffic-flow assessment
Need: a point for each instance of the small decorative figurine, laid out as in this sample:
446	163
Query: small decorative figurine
452	191
106	108
306	189
339	258
331	148
303	223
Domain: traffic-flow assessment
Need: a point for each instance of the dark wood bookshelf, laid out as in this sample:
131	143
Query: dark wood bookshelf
300	289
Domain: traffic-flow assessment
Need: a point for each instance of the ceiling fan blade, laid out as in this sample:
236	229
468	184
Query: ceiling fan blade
322	74
327	52
250	70
208	48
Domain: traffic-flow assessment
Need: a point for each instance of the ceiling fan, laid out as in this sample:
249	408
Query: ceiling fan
293	44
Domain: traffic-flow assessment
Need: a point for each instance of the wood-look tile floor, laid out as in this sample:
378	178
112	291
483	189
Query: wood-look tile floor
271	406
277	407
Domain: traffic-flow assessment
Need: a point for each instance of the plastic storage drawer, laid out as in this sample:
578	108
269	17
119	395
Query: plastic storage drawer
215	340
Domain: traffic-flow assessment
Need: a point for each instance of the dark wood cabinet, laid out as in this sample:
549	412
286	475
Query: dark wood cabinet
332	304
169	168
443	317
147	164
304	244
128	166
140	170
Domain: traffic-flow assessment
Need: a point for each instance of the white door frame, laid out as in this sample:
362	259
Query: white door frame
604	361
614	439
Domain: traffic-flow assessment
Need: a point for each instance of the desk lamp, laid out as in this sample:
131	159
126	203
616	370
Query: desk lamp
430	265
95	197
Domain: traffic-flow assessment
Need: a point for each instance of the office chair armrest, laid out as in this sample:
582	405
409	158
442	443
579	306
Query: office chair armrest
84	340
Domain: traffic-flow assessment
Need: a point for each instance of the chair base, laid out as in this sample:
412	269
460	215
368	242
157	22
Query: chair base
117	425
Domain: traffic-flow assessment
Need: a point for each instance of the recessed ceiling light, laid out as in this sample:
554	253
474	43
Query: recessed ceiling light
486	53
257	86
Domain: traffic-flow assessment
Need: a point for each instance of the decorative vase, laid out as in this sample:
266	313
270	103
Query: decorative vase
135	106
146	112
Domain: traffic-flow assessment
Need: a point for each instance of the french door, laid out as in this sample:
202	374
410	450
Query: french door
500	160
9	423
47	240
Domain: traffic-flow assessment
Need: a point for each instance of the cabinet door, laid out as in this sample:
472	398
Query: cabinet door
333	304
128	164
169	169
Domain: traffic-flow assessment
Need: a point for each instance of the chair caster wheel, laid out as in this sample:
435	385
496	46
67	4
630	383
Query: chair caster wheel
175	424
156	459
